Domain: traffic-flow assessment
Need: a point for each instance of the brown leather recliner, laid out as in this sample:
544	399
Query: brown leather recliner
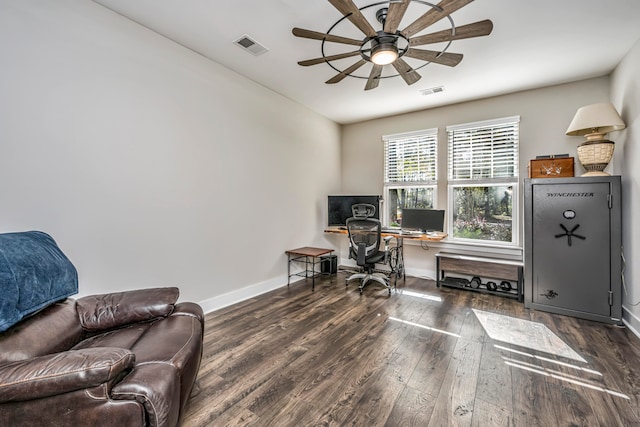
121	359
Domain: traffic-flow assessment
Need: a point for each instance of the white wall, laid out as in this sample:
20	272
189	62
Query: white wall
544	114
625	95
149	164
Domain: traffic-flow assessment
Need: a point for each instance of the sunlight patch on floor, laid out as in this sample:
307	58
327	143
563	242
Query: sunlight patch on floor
525	333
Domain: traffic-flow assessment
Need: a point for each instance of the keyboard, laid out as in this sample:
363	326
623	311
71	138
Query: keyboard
411	232
398	231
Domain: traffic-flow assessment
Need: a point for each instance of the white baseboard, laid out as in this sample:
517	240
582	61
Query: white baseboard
631	321
230	298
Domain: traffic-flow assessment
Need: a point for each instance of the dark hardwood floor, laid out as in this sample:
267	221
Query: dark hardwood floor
420	357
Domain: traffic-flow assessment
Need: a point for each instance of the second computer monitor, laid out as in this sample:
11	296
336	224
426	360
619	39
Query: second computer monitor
422	219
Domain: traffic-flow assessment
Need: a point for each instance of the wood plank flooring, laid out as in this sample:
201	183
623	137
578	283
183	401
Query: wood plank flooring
420	357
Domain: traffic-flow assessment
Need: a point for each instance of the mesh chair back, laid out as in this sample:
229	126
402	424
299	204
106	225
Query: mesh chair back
364	232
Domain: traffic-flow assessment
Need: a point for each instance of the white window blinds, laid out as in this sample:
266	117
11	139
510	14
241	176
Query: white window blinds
484	150
410	157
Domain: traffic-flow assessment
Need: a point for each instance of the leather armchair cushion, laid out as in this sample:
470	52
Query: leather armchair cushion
124	337
109	311
51	330
63	372
87	407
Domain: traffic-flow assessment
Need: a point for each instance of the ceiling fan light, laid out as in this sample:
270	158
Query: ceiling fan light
384	53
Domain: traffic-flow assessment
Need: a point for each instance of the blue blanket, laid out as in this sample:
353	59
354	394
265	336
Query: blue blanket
33	274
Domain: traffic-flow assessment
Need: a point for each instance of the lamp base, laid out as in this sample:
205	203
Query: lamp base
595	173
595	156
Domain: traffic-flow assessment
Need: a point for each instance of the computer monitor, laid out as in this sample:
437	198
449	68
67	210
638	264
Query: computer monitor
422	219
339	208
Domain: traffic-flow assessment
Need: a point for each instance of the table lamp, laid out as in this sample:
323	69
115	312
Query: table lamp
593	121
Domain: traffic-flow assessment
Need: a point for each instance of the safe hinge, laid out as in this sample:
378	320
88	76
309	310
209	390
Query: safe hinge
611	298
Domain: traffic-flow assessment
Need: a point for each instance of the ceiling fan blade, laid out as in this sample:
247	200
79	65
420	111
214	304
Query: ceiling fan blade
353	14
338	77
374	77
328	58
394	15
446	58
434	15
477	29
308	34
408	74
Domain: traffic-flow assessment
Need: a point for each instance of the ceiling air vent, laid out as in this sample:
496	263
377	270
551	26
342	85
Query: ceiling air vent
432	90
250	45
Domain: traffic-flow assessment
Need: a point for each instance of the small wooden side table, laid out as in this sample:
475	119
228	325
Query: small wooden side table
308	255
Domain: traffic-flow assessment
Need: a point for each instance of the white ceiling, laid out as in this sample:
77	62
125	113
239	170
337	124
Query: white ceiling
533	44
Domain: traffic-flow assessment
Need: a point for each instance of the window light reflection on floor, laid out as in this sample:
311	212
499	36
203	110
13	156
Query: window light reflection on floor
440	331
546	359
542	371
525	333
420	295
536	336
509	361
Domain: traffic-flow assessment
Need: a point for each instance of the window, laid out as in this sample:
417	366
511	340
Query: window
410	173
483	180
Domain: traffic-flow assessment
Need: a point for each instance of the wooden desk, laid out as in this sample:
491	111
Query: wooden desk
307	255
436	237
399	261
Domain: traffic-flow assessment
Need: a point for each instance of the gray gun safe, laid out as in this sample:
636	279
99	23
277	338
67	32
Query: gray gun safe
573	247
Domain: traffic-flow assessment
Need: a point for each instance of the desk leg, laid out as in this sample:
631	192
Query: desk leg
288	269
401	258
438	271
313	273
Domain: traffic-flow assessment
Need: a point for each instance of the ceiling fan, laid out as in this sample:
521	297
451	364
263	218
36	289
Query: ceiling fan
389	45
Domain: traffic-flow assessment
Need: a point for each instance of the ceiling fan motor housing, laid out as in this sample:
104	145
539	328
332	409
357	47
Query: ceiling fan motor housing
383	39
381	48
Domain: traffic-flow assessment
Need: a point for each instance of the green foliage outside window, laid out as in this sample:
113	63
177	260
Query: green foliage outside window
483	213
399	198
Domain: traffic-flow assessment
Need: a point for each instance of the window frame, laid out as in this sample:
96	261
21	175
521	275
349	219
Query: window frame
431	182
485	182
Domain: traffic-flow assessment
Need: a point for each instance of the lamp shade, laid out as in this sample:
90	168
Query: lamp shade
595	119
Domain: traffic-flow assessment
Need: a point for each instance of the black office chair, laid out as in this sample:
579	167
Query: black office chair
364	246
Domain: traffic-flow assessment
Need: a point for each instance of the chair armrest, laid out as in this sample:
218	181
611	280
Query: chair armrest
189	309
108	311
362	254
62	372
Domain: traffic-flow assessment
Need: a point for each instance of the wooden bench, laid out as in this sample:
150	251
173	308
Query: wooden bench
503	272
